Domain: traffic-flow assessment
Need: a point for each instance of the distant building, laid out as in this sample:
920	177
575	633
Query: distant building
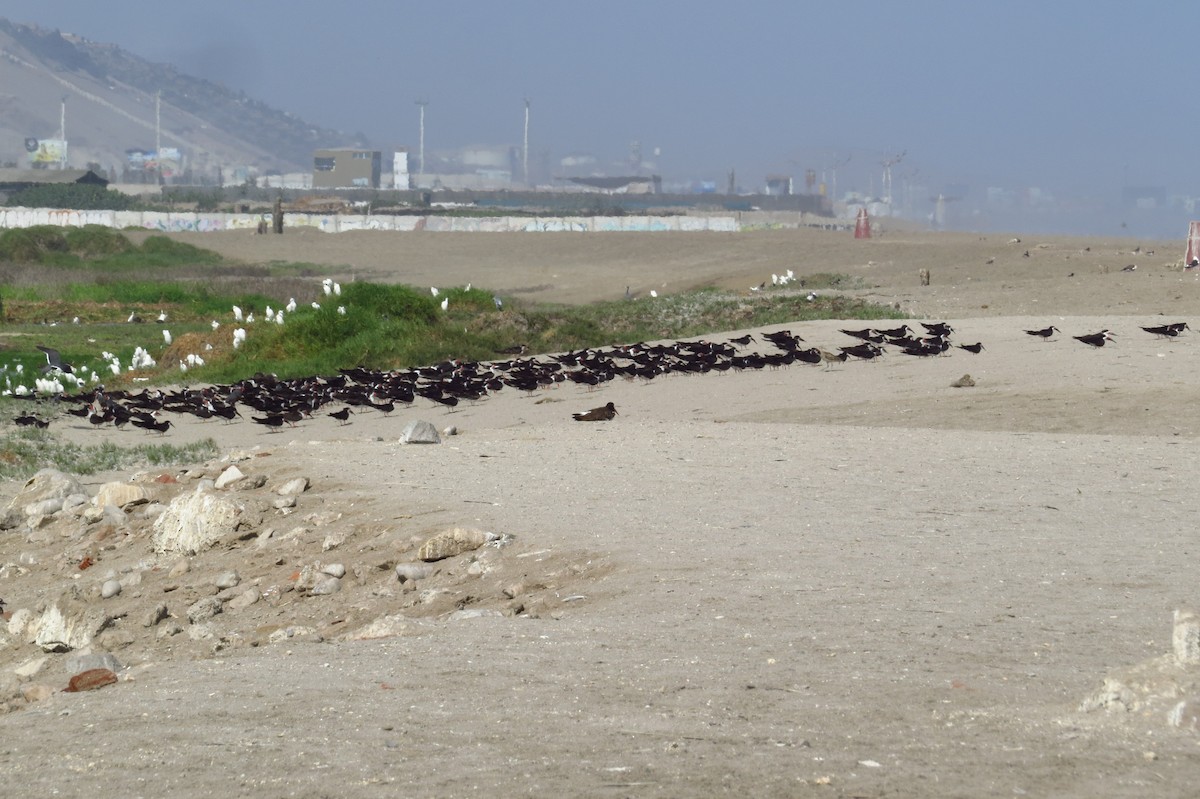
779	185
346	169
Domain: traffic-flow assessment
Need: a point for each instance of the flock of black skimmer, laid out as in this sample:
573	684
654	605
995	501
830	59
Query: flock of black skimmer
277	403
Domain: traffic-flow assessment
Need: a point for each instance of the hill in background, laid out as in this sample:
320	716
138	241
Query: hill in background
110	109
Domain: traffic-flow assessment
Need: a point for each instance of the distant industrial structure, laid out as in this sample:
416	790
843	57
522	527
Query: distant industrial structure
346	169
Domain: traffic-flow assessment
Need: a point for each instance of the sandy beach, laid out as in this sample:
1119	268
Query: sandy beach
856	581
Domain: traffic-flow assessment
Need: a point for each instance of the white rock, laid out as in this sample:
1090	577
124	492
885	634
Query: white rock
110	589
413	571
244	599
293	487
334	570
120	494
420	432
228	477
57	630
44	507
326	584
30	667
46	484
20	621
1185	638
474	613
227	580
194	522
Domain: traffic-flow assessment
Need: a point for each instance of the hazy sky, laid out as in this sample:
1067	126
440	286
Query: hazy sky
1078	97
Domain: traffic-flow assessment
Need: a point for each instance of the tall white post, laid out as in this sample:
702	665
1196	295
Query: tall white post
525	147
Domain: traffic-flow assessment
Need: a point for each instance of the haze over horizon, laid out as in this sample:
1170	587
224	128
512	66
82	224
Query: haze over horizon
1078	99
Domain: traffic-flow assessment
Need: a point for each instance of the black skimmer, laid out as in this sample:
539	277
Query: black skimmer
31	421
1095	339
939	329
603	414
975	348
343	416
273	420
1044	332
1130	268
1168	331
54	361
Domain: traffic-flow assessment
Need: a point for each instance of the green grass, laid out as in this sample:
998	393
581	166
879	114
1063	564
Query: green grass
25	451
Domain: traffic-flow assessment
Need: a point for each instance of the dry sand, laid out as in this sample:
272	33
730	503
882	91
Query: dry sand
852	582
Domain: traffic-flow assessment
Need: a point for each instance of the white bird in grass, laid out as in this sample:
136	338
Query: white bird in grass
270	314
162	317
237	314
316	305
215	324
250	318
291	306
239	336
653	293
445	303
337	289
279	317
342	310
327	285
433	291
167	337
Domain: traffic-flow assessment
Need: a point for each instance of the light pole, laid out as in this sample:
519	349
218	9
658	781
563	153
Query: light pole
421	145
525	146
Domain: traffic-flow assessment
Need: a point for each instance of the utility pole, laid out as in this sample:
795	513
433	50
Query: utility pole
62	133
525	146
421	146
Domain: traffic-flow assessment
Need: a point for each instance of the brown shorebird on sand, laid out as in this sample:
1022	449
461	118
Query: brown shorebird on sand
597	414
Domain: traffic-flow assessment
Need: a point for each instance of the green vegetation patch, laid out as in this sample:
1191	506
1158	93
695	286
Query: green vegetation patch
24	452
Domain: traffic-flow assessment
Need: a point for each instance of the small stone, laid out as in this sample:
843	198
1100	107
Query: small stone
110	589
413	571
283	503
86	661
44	507
474	613
120	494
420	432
155	616
245	599
293	487
36	692
180	568
228	477
168	630
325	585
453	542
204	610
333	541
91	679
334	570
227	579
1185	638
450	431
30	667
1186	714
966	381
